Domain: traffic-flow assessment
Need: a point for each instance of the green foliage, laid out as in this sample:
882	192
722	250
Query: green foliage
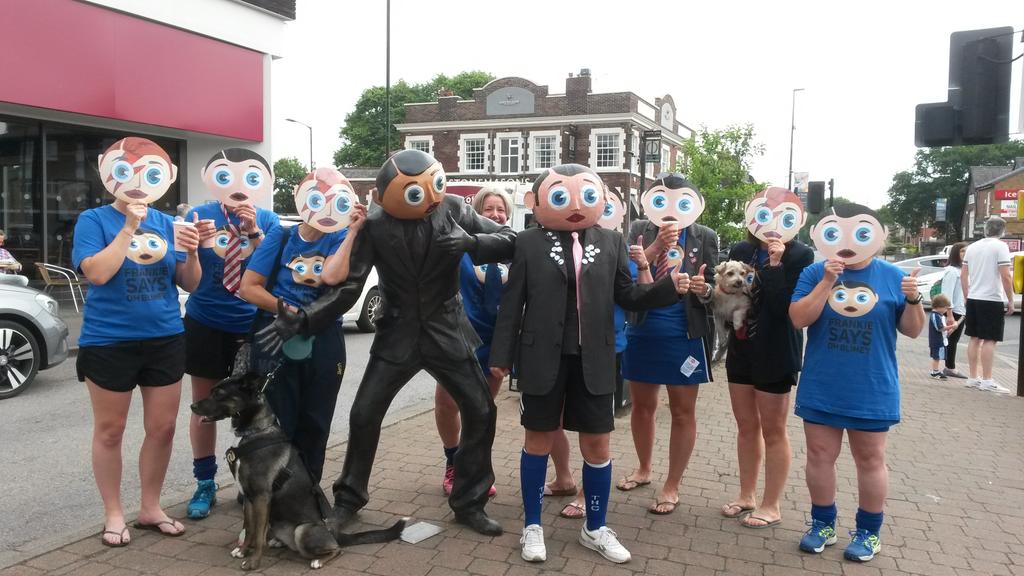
943	173
364	135
288	172
718	163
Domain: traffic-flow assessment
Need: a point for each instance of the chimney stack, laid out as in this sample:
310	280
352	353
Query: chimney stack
576	91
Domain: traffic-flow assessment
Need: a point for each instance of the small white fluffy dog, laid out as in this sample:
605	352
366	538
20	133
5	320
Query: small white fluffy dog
730	300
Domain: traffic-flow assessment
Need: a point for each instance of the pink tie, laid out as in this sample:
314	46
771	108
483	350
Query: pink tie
577	258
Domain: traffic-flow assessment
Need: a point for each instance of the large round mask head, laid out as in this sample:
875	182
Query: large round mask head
851	234
136	170
237	176
324	199
614	210
775	214
410	185
672	201
567	197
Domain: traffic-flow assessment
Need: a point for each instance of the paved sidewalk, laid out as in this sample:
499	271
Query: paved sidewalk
956	504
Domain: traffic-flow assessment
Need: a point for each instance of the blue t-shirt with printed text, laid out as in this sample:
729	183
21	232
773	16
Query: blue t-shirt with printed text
211	304
298	275
850	364
140	301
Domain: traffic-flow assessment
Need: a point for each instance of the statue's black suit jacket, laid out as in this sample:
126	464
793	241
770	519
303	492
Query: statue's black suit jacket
420	308
532	312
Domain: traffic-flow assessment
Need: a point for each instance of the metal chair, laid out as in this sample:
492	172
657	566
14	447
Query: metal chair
70	280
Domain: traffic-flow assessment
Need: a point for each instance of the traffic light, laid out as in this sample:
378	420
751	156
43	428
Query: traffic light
977	107
815	197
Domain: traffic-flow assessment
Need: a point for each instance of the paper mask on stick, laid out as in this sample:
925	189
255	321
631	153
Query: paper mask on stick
567	197
775	214
136	170
324	199
852	299
851	234
614	210
410	185
237	176
672	200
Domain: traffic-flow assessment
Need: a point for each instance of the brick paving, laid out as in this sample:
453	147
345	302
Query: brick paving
956	504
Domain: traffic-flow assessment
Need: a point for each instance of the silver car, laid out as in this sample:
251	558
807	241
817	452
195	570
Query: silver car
32	337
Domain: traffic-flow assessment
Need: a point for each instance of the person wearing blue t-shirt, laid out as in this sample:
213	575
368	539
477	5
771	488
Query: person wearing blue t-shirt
481	288
216	320
131	330
299	261
852	306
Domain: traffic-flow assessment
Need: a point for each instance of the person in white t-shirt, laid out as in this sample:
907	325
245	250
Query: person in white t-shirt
985	280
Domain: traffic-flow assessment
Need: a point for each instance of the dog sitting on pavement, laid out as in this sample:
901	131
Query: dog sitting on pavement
281	497
730	301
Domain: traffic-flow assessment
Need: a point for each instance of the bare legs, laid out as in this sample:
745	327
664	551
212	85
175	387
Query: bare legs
682	401
110	413
446	412
203	435
980	356
761	435
868	450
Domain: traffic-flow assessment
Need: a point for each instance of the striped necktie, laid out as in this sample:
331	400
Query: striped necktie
232	256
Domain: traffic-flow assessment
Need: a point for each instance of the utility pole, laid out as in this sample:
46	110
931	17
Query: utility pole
387	85
792	131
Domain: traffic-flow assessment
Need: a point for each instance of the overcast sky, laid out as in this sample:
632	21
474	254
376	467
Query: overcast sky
863	65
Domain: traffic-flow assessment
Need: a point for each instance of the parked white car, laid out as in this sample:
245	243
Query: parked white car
932	268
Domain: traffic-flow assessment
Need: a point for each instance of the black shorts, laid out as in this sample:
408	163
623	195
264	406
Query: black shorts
209	352
783	386
120	367
568	404
985	319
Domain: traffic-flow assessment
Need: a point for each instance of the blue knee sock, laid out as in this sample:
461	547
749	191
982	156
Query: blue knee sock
533	469
204	468
870	521
826	514
449	455
597	483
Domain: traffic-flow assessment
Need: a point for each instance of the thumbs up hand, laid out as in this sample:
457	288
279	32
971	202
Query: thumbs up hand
909	285
636	254
680	279
699	284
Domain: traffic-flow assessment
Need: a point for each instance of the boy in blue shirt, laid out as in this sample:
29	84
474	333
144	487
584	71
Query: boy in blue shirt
216	320
938	331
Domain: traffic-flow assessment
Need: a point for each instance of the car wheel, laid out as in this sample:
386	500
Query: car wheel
371	307
19	359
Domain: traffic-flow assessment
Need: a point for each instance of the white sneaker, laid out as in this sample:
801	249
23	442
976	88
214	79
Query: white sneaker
991	386
972	383
532	542
606	543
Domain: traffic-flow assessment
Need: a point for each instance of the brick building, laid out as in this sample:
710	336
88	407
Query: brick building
512	129
994	191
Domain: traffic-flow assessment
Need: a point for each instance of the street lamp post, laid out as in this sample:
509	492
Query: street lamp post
792	130
310	128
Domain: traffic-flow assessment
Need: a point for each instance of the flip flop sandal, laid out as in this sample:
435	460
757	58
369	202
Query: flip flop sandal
743	511
626	484
578	515
121	543
548	491
656	509
767	523
156	527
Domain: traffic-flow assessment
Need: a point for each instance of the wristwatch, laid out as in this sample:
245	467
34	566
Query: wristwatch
708	290
915	301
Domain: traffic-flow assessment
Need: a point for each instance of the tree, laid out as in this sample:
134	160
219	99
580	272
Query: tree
943	173
718	163
364	135
288	172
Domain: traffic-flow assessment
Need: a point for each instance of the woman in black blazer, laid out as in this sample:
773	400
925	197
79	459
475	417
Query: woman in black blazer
765	354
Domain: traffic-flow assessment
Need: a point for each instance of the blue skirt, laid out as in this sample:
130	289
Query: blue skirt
661	359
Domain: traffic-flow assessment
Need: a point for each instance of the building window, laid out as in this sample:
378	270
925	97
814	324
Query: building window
666	160
508	154
421	143
473	153
545	150
607	153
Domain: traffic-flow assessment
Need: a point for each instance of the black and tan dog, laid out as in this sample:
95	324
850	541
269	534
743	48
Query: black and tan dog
281	498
